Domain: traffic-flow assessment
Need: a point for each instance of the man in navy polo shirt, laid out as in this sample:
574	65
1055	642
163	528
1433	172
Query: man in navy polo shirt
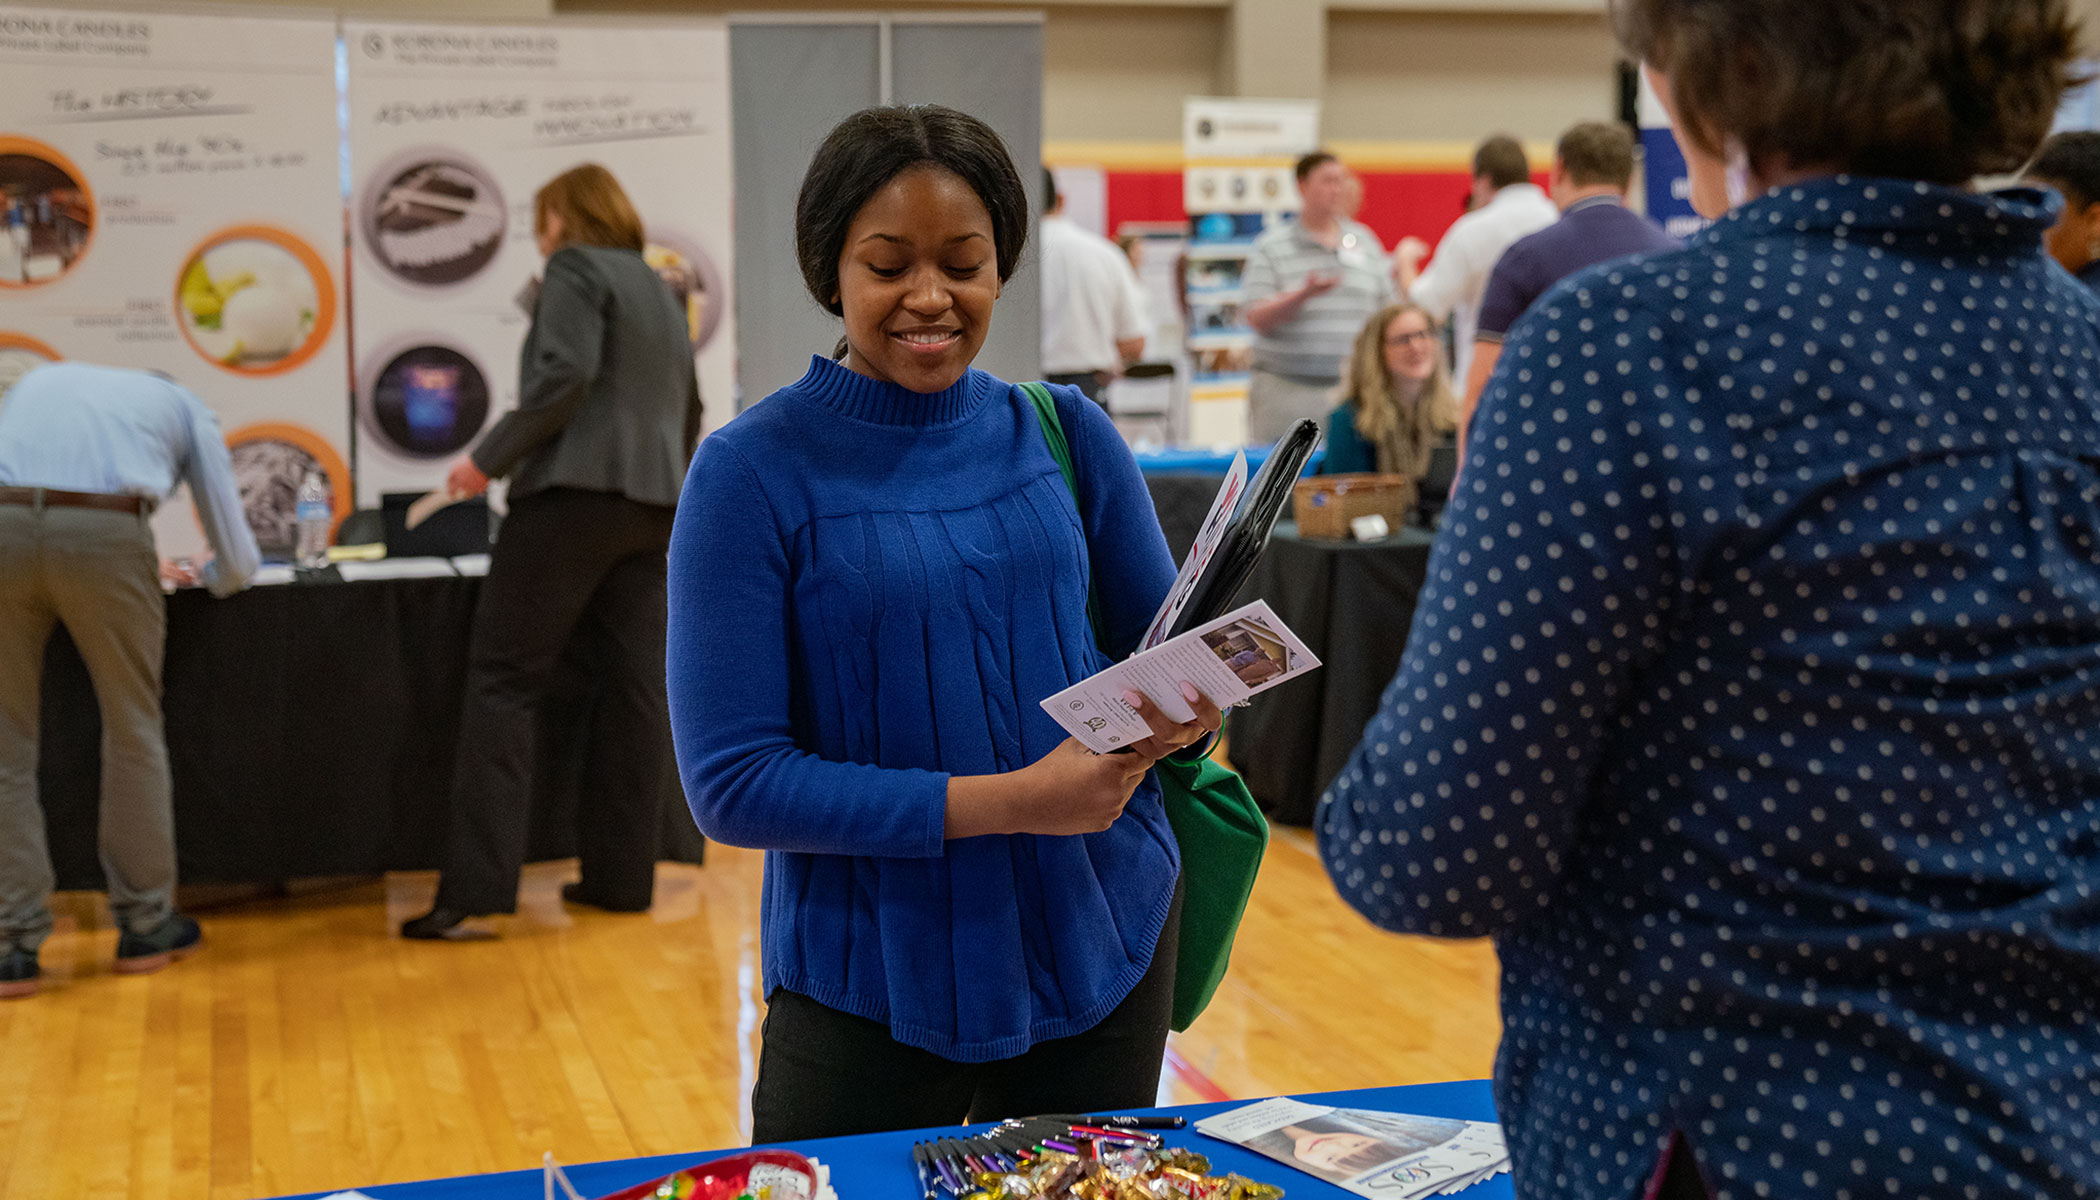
1592	170
2070	163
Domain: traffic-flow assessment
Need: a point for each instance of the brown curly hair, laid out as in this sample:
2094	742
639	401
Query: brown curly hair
1938	90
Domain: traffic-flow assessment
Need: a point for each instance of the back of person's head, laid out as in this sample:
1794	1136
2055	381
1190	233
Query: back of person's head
1308	163
875	145
593	208
1596	153
2070	162
1500	160
1050	196
1935	90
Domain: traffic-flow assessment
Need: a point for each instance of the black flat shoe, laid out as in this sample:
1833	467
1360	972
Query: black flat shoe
141	953
573	893
441	925
19	973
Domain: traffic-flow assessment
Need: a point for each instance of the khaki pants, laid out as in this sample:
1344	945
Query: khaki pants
97	573
1275	401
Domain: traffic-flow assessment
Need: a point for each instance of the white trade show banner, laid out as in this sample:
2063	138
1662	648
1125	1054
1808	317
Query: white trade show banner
170	199
1238	178
453	129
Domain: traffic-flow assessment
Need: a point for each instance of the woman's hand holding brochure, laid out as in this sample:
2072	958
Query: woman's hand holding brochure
1226	656
1075	789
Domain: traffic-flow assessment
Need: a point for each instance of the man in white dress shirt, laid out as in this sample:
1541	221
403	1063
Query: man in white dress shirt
86	454
1506	206
1094	321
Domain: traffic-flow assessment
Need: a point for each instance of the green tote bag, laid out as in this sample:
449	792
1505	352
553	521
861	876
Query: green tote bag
1220	829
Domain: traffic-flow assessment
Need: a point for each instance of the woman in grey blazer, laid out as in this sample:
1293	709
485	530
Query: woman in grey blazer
608	415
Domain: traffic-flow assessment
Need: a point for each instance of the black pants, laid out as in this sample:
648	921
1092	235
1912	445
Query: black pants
568	564
824	1073
1086	381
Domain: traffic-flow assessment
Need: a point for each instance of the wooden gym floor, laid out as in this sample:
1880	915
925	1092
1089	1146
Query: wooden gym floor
306	1048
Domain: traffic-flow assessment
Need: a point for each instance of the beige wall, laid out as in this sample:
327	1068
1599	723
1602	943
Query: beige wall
1120	74
436	10
1414	71
1449	76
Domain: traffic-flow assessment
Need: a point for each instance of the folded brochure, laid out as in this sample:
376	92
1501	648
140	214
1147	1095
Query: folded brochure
1389	1156
1246	651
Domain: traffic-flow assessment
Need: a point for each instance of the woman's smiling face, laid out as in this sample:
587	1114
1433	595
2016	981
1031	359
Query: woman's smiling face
917	280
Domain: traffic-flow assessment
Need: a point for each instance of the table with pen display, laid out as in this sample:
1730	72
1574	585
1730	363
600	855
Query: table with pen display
1107	1156
883	1166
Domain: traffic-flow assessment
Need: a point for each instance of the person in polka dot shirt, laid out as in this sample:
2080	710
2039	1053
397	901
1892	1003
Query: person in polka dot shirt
1753	701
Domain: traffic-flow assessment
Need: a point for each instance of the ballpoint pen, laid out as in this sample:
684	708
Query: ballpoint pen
923	1163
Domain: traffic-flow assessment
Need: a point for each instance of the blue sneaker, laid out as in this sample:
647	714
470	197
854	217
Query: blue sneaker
139	953
19	973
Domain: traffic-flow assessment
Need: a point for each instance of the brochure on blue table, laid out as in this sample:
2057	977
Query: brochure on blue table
1386	1156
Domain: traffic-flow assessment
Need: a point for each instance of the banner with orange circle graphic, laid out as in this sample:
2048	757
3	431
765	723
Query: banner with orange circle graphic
170	200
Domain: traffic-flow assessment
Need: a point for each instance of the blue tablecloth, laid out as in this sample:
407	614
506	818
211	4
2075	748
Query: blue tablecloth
1200	461
878	1166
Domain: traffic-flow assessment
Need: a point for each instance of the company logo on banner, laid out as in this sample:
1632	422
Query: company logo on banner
1669	185
1239	178
1222	127
453	129
165	204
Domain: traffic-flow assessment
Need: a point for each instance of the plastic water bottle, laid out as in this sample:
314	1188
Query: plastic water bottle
315	514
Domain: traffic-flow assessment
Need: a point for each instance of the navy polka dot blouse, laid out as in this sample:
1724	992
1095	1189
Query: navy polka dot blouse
1753	705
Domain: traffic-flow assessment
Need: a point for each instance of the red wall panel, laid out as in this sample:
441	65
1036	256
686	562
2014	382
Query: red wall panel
1397	204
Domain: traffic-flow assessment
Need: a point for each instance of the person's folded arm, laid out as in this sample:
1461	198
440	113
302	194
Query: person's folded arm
1548	591
729	677
217	495
568	337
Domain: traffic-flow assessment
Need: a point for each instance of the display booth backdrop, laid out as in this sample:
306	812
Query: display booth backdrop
170	200
452	130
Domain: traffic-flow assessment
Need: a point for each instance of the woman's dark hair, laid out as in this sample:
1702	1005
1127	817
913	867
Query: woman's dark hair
874	146
1938	90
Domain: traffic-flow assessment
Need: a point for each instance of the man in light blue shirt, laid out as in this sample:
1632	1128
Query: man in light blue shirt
86	454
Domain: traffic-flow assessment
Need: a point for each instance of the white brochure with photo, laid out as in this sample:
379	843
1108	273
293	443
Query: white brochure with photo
1207	539
1387	1156
1243	652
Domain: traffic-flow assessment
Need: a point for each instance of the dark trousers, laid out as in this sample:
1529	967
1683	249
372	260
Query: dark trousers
824	1073
568	564
1088	382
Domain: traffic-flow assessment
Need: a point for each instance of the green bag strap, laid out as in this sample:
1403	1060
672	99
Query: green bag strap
1061	452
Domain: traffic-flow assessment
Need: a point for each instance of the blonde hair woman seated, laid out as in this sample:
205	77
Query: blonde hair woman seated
1396	400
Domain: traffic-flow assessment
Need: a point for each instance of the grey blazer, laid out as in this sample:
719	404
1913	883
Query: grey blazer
607	397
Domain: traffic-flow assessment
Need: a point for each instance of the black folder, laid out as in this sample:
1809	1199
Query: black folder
1240	546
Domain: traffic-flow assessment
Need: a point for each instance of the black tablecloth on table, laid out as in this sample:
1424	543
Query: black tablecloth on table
1351	602
311	730
1182	499
311	727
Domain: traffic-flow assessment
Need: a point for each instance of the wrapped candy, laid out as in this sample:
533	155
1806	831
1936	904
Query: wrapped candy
1078	1166
752	1175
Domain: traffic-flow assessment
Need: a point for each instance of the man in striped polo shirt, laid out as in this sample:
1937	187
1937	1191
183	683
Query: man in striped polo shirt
1310	284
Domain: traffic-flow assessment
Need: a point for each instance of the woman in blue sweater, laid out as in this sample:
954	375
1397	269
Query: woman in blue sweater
876	575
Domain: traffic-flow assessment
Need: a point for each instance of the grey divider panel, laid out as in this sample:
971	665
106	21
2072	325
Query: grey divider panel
994	71
790	83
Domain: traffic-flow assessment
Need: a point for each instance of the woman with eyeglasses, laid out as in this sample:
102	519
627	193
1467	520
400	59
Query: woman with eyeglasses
1397	401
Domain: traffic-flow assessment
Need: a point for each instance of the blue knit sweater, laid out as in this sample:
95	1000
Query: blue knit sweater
872	589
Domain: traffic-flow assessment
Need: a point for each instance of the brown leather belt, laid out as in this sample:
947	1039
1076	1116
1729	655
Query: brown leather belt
54	498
